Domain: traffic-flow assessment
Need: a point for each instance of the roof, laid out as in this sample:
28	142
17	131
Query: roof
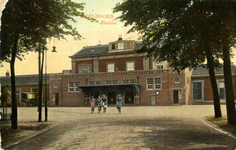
101	50
204	71
23	79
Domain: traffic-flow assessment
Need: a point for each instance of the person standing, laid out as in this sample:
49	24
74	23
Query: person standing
104	102
92	101
99	103
119	101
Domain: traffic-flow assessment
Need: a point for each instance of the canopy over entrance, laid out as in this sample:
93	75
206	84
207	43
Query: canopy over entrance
104	89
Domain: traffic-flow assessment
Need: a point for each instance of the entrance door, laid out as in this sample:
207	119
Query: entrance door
176	96
153	99
95	94
129	97
57	99
111	97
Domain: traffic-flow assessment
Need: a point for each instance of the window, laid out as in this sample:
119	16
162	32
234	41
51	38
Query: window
149	83
159	67
86	68
91	83
132	80
197	90
113	46
177	79
110	67
130	66
115	82
73	87
98	82
154	83
125	81
108	81
55	85
221	89
76	87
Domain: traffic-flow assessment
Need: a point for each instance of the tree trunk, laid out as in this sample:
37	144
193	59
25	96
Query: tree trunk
40	89
214	85
230	105
13	86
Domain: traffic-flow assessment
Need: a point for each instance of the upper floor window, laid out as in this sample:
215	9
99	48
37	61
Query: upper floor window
130	65
55	85
154	83
85	68
159	67
113	46
110	67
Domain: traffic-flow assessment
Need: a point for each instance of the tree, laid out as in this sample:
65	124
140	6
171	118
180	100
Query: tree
185	33
26	23
5	96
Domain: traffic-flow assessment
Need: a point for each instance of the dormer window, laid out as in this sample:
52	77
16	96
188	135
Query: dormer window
113	46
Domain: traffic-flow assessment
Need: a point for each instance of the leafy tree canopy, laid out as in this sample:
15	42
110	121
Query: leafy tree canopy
35	20
180	31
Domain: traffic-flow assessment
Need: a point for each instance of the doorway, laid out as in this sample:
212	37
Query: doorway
129	98
176	96
57	99
111	97
95	94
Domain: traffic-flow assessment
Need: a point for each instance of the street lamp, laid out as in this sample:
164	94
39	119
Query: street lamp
46	98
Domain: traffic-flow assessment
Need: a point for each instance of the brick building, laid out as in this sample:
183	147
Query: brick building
201	85
26	88
117	68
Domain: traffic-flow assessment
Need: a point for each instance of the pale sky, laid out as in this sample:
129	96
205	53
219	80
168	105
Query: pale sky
92	32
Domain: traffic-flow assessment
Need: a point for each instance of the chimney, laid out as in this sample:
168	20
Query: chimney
120	38
7	73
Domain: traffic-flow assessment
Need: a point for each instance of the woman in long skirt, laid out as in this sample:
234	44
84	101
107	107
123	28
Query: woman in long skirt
92	101
119	102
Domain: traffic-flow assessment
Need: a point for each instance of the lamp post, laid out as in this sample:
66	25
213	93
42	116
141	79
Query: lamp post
46	75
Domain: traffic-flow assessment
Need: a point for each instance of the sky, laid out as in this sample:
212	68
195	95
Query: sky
93	34
106	31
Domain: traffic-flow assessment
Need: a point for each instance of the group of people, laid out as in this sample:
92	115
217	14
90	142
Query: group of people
102	102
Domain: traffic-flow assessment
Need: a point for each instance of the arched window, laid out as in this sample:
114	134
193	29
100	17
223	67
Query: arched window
55	85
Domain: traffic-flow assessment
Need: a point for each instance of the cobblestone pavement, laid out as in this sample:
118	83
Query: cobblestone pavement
136	128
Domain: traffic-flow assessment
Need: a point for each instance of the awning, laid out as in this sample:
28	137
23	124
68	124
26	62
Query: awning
119	88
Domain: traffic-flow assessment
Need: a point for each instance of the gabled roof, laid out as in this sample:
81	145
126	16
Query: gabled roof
204	71
23	79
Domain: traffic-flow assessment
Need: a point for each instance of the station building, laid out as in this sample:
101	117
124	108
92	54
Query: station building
117	68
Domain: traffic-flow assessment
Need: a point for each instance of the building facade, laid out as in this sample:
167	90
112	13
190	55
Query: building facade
201	85
117	68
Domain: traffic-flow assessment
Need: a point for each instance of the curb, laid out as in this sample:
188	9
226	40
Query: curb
208	123
26	138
